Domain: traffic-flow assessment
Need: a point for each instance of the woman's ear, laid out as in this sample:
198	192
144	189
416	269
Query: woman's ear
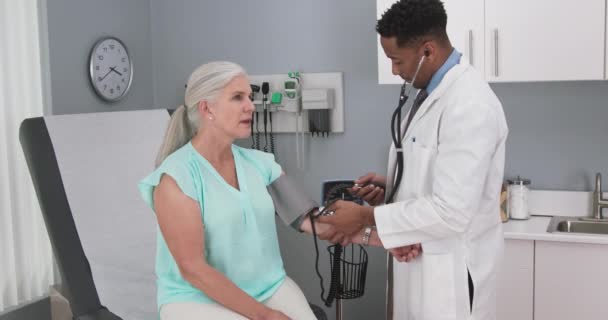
203	108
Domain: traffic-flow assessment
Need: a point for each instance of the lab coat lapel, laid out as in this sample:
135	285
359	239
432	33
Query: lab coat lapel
447	82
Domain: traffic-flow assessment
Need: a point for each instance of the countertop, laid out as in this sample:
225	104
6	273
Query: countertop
535	228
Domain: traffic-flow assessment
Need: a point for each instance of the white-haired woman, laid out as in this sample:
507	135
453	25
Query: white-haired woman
218	254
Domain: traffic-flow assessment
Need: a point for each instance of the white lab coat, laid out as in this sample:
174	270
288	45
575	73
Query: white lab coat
448	200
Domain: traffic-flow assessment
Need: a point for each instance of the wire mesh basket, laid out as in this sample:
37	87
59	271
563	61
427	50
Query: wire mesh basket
348	270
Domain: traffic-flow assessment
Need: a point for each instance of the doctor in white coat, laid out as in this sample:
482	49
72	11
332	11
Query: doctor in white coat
448	199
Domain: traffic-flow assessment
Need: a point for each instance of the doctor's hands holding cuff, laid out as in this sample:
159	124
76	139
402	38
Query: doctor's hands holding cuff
351	219
348	217
325	231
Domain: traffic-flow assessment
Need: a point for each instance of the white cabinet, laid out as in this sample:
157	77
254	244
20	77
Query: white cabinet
545	40
571	281
466	29
515	293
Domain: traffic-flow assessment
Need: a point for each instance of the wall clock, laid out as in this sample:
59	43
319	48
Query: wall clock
110	69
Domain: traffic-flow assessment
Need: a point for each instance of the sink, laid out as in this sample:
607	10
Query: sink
577	225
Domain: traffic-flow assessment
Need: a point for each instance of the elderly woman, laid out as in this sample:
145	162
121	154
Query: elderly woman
218	253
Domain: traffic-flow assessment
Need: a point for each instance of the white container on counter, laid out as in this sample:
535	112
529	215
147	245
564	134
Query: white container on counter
518	194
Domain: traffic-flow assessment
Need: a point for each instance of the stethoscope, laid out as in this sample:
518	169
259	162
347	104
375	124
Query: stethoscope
396	127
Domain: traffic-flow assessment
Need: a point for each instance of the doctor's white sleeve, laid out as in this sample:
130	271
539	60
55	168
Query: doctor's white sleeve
468	139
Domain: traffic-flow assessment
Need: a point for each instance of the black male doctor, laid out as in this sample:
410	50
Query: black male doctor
442	198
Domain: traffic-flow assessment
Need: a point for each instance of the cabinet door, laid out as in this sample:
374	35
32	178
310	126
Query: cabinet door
515	281
544	40
571	281
465	29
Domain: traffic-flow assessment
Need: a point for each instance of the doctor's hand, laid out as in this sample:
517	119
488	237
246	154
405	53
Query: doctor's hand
328	232
406	253
325	232
348	217
370	188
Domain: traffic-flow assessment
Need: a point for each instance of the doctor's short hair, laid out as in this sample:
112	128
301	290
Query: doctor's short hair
413	20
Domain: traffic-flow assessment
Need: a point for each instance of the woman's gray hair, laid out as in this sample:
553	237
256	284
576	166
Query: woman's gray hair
205	83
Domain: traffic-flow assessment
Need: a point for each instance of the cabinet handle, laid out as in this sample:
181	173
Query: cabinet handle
496	73
471	46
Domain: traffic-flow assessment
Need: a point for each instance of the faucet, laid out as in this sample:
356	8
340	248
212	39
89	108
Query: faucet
599	202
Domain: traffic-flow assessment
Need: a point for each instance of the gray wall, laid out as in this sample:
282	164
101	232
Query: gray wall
73	28
558	132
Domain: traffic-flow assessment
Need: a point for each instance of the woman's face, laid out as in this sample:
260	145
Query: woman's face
232	111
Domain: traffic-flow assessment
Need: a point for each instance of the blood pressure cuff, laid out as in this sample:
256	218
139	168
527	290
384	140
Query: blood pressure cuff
290	201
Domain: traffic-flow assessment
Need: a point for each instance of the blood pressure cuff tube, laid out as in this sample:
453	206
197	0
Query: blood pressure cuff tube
290	201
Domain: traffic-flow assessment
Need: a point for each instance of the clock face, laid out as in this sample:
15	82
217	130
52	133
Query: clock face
111	69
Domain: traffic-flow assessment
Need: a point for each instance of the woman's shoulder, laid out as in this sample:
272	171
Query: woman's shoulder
251	153
264	162
179	166
180	156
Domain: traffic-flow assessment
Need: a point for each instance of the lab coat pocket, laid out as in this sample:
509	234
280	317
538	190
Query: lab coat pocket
418	162
438	289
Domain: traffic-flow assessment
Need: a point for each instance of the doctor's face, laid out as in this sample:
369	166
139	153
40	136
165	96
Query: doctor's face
404	61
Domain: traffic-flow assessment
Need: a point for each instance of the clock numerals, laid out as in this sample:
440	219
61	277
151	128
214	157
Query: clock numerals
100	57
123	80
112	47
125	69
97	68
123	59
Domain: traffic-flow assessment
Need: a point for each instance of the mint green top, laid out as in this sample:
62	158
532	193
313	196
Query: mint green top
240	232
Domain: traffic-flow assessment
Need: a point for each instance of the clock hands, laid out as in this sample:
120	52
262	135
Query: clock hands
114	69
105	75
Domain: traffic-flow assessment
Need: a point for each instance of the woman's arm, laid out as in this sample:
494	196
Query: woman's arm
179	218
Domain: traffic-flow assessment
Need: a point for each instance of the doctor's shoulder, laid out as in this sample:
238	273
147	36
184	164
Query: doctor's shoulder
471	93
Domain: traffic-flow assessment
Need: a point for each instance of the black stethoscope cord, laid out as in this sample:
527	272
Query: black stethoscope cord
398	140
